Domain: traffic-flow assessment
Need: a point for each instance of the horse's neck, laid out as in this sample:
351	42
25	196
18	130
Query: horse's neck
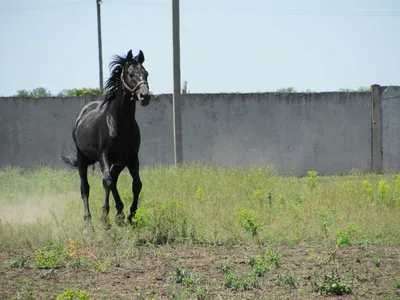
122	108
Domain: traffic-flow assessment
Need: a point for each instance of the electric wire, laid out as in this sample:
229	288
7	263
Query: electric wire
253	10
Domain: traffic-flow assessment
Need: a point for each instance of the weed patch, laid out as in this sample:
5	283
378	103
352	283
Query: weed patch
74	295
20	263
344	235
260	264
286	279
243	283
396	283
249	221
51	256
311	179
170	223
187	278
333	284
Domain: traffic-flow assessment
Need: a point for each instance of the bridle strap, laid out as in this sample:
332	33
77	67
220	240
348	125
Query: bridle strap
132	91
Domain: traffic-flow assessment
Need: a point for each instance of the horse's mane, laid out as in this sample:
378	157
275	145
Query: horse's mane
112	83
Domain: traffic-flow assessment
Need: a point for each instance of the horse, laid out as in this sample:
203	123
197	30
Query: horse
108	133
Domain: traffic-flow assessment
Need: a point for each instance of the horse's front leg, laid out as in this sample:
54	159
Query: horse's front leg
105	168
136	188
106	207
110	177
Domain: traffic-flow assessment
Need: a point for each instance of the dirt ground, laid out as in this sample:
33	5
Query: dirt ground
148	274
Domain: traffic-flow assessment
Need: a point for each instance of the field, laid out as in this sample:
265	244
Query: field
202	232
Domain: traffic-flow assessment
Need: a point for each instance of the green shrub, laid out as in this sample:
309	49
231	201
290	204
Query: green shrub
244	283
384	193
51	256
169	223
141	219
311	179
248	220
333	284
344	235
74	295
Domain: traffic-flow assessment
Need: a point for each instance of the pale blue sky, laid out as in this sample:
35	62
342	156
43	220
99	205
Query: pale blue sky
226	45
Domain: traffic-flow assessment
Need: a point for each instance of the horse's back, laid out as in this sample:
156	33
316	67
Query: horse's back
87	112
95	130
85	133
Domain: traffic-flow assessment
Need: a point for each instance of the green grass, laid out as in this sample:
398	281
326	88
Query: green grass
199	204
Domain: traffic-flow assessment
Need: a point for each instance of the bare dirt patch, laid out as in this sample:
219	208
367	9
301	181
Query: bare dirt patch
148	274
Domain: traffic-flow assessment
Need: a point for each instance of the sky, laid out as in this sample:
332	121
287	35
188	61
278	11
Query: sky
226	45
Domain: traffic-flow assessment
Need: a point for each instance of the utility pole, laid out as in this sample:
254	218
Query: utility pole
177	119
98	3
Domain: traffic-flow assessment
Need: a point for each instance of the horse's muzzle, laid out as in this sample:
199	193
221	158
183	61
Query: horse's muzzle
144	99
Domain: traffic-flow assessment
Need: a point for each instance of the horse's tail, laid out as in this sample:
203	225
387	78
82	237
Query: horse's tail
70	158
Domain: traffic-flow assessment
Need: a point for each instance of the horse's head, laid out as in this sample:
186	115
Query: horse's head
134	78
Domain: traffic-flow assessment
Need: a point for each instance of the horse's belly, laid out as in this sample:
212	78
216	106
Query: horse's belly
88	149
122	154
88	142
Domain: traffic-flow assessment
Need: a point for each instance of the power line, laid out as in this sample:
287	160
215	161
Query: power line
147	3
296	12
164	5
309	12
265	10
40	7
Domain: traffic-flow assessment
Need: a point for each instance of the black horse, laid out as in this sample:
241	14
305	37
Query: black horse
107	132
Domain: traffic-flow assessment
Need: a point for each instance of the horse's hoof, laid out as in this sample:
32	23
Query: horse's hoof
88	229
120	223
106	223
129	219
120	219
104	218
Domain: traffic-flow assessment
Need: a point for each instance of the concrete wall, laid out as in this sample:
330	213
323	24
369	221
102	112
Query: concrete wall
34	130
327	132
391	129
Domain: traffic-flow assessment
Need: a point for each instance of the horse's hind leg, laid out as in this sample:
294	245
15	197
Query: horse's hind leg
85	188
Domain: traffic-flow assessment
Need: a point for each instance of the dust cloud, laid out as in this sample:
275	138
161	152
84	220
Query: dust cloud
29	209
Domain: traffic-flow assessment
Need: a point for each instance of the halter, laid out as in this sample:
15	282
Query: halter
132	91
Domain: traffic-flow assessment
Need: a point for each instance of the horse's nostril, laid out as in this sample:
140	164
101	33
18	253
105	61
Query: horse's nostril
145	95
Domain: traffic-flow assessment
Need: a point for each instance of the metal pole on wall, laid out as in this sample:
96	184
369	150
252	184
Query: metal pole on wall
98	3
177	119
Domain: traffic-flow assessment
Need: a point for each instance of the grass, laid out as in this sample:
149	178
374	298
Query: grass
205	205
41	216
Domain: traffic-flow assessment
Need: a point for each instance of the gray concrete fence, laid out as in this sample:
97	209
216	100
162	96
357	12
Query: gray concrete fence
331	132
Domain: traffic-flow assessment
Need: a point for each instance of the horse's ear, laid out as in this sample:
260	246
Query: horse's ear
140	57
129	56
